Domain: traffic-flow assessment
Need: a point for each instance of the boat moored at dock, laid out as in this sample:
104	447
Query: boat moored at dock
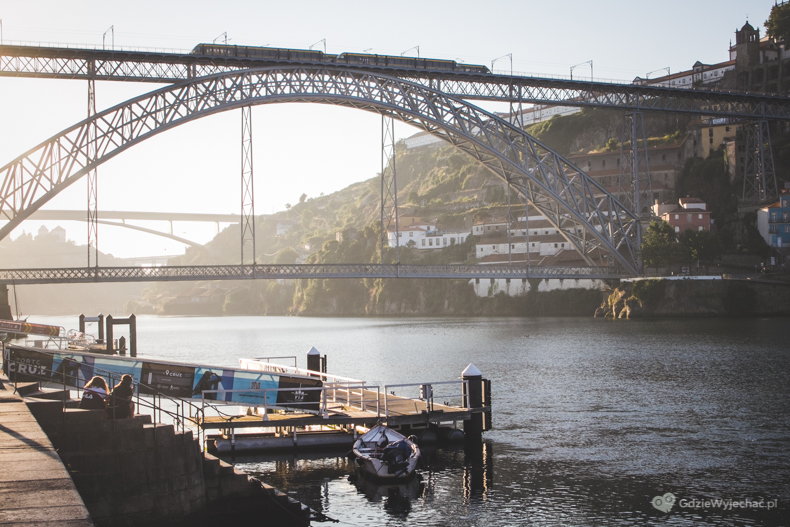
385	454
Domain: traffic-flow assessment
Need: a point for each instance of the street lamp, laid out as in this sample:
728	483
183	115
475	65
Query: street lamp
110	30
507	55
415	47
647	75
323	40
590	62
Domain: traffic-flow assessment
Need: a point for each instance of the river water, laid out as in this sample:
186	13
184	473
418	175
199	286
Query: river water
592	419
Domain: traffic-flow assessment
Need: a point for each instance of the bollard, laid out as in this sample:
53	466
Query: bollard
5	304
473	398
314	361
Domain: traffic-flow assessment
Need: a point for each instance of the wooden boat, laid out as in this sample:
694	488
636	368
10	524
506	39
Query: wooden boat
385	454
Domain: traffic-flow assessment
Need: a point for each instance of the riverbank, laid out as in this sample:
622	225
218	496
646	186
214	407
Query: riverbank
696	296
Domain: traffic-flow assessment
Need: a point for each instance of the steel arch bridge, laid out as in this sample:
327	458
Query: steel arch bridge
598	226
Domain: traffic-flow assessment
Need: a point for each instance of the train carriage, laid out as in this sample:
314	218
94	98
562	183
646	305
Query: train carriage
313	56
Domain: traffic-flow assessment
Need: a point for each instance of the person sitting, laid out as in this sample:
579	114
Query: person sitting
94	394
119	403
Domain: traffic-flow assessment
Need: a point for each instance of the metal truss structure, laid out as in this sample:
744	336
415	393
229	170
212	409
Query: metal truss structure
601	229
247	222
389	187
118	65
92	181
756	164
65	275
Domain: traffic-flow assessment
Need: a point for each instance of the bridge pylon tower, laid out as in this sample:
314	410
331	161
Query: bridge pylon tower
247	220
92	178
756	164
389	187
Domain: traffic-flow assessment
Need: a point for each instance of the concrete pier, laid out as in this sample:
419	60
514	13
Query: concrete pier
35	487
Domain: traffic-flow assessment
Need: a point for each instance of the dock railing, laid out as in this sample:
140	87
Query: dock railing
428	393
362	396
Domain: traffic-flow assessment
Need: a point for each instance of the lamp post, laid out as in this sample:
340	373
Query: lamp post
590	62
647	75
323	40
415	47
110	30
506	55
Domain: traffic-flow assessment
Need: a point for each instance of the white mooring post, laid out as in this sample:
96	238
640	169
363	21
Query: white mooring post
473	398
314	360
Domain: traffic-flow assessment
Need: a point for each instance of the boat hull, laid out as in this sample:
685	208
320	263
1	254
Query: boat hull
384	454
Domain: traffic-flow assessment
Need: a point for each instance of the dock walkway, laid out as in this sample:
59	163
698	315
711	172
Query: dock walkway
346	410
35	487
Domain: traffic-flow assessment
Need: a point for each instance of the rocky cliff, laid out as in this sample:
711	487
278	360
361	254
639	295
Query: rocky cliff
696	298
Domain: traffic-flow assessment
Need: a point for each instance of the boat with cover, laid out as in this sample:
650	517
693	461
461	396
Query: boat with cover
386	454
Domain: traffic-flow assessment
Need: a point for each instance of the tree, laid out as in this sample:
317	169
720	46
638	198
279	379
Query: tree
701	246
302	198
659	245
778	24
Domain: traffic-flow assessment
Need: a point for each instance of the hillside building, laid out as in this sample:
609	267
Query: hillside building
688	214
424	235
773	222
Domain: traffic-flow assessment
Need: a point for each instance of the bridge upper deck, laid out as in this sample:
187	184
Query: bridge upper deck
171	67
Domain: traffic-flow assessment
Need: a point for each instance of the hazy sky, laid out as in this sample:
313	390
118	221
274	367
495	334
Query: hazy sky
313	148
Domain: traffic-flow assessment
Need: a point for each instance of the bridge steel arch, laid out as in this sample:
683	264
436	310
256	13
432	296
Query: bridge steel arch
599	227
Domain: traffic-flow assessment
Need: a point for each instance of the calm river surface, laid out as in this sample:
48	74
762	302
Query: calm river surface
592	419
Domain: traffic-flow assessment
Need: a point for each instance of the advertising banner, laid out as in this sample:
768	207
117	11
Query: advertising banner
169	379
293	393
26	365
174	380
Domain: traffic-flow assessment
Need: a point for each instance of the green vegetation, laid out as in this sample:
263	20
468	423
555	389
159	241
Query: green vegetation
778	24
660	246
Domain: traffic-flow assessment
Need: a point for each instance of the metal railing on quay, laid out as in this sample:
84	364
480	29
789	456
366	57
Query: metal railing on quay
160	406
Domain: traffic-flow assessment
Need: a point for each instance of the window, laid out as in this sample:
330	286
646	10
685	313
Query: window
677	217
699	216
677	229
411	234
700	228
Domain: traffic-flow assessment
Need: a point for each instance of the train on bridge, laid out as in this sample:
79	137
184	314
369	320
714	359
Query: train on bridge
345	59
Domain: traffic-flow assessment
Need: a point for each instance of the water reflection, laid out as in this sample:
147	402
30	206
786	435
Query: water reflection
478	470
396	498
